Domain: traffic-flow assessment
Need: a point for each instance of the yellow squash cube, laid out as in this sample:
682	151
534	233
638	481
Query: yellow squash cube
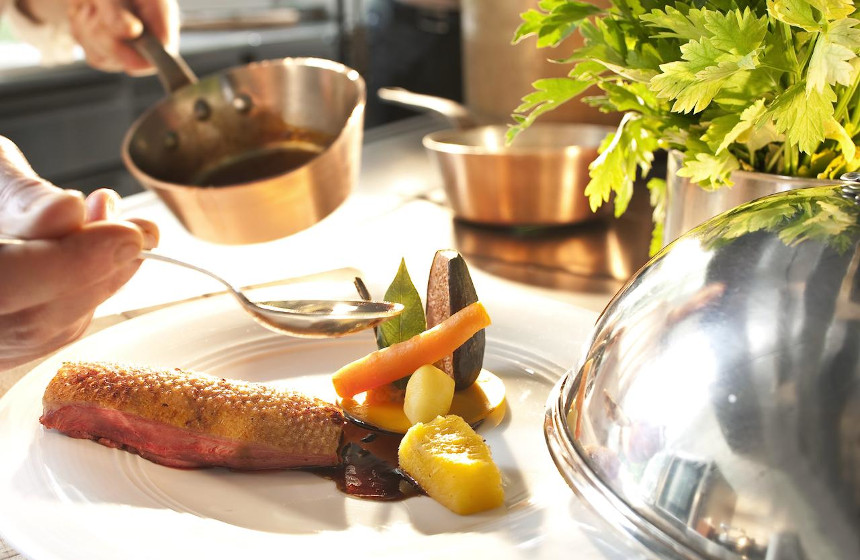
429	393
452	464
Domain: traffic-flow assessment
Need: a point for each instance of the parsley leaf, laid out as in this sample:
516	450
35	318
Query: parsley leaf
563	19
834	9
831	61
676	24
801	115
630	147
797	13
549	93
709	170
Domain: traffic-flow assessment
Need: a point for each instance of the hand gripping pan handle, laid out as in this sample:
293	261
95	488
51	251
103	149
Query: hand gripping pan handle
173	71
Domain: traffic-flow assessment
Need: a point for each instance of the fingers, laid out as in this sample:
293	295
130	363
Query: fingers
50	288
102	205
77	257
40	272
37	330
161	18
104	27
150	232
17	350
31	207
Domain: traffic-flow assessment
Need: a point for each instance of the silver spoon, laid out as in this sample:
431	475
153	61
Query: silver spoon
302	318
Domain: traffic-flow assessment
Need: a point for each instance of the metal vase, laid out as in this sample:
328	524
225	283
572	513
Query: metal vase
688	204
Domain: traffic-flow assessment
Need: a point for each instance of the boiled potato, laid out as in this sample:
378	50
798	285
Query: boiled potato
428	394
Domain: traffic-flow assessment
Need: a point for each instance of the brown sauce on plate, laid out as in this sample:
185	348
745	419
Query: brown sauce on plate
368	466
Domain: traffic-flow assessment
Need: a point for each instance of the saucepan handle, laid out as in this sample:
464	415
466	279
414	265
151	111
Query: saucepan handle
173	72
457	114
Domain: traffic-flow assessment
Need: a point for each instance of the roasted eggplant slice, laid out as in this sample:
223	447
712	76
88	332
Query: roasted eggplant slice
450	289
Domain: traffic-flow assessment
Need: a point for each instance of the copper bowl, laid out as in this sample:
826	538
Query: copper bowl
539	179
305	104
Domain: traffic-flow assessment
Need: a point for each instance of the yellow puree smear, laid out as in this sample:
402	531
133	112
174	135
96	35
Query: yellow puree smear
483	401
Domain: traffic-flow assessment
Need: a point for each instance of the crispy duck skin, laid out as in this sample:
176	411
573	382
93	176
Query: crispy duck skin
187	419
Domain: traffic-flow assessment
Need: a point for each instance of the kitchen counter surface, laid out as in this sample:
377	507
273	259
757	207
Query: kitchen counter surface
398	209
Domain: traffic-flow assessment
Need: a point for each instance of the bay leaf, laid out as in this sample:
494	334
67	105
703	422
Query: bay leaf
409	323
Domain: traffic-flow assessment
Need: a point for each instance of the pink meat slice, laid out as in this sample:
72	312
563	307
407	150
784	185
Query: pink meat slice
186	419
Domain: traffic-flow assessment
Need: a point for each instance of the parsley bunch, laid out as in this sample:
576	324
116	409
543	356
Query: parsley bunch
766	86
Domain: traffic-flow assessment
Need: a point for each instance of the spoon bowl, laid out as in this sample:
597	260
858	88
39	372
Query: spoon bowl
306	318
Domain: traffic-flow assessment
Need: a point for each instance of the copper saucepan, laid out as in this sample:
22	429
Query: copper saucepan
253	153
539	179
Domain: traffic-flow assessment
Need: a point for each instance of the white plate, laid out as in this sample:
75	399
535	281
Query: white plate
74	499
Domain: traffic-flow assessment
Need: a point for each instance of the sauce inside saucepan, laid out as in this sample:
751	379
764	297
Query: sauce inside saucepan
254	165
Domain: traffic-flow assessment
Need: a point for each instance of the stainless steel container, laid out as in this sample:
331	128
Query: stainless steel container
716	412
688	204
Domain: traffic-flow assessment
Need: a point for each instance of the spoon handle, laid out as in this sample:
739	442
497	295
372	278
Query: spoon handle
157	257
173	71
9	240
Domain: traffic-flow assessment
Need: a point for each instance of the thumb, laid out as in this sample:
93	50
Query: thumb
31	207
